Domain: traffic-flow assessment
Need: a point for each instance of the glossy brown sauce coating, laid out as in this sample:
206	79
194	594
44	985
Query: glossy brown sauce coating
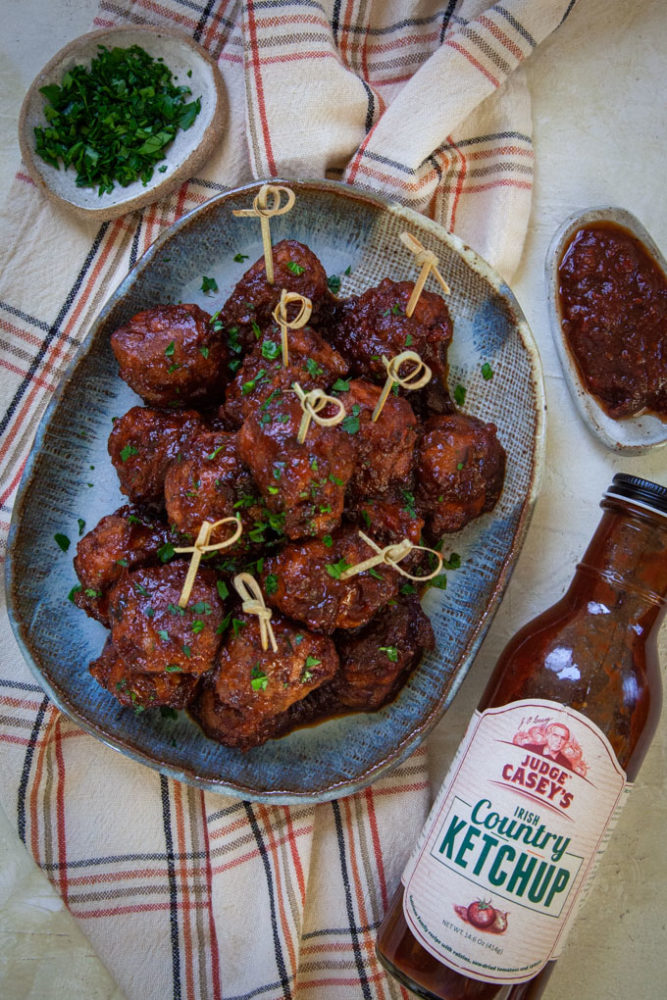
460	471
233	451
613	300
143	443
171	355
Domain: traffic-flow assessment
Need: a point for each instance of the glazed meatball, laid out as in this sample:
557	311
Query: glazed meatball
312	363
303	483
385	449
374	324
388	519
142	444
375	661
251	304
152	633
137	688
303	581
172	356
201	485
461	466
125	539
243	703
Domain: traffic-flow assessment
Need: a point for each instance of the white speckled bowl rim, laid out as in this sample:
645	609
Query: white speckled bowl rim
189	149
632	435
342	755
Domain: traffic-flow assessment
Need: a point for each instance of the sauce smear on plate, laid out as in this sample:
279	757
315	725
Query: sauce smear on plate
613	303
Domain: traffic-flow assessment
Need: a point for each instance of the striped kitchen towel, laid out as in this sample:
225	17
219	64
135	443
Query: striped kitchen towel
185	893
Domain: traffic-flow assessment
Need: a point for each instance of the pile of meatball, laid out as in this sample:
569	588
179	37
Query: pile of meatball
216	437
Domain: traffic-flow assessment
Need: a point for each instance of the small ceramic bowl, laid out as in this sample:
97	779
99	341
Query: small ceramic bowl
189	64
630	435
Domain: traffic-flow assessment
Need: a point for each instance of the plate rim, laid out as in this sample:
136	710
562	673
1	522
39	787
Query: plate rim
599	423
411	741
153	191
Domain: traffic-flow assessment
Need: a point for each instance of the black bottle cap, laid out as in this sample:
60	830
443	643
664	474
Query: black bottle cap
642	491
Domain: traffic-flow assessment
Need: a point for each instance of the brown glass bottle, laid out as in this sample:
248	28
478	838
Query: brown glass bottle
594	651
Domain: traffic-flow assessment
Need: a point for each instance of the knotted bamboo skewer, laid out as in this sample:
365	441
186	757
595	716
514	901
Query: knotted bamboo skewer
428	262
201	547
285	324
391	555
416	378
311	404
264	209
252	597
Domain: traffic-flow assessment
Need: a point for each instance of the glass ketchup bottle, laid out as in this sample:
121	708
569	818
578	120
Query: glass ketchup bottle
501	866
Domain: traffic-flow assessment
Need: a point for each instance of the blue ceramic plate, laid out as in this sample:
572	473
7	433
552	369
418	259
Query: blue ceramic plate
356	236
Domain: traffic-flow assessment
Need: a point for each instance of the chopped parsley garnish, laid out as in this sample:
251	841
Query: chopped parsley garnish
62	541
454	561
127	452
174	609
313	368
240	257
335	480
169	349
409	502
82	525
333	283
407	588
294	267
248	386
113	120
487	371
351	422
187	651
75	590
213	454
173	668
164	635
166	552
459	395
439	582
258	679
208	284
341	385
391	651
336	570
328	540
271	584
204	351
270	351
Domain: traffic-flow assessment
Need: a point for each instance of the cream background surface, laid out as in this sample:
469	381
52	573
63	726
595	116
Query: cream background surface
599	132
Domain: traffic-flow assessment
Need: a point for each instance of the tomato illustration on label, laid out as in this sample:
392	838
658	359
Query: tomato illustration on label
484	916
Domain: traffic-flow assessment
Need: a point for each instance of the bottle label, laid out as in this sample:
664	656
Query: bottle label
517	828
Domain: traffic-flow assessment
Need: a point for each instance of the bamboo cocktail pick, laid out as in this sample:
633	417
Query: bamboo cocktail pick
416	378
285	324
264	209
201	547
391	555
428	262
252	597
311	404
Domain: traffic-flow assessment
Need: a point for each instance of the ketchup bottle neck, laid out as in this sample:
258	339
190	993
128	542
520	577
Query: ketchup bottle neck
625	564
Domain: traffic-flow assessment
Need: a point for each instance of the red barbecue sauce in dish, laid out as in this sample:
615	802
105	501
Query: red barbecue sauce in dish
613	305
